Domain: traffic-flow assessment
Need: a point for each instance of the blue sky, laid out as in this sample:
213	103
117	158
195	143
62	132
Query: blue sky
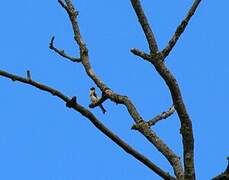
41	139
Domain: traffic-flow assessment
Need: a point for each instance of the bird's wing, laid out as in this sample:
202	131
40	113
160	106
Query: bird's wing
95	95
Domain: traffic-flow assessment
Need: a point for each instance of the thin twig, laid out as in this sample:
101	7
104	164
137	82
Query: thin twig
157	118
28	75
141	54
163	115
35	84
180	29
71	103
61	52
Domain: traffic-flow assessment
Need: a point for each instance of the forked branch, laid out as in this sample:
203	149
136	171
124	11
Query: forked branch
71	103
157	118
61	52
170	80
151	136
145	26
162	116
142	126
180	29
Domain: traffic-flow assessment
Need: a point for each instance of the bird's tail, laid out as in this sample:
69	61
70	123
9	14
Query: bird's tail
102	108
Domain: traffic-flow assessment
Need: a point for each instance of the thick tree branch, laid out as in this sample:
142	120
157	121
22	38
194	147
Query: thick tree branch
63	4
122	144
72	13
71	103
186	124
84	56
144	129
145	26
172	158
61	52
180	29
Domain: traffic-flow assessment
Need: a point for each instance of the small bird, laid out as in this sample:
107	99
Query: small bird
94	98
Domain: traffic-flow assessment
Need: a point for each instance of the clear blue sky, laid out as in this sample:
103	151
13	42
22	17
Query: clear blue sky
41	139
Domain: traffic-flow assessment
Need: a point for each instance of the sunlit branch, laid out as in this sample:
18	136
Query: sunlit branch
173	159
180	29
162	116
145	26
61	52
141	54
71	103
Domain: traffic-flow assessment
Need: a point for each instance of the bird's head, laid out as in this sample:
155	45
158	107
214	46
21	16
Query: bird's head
92	88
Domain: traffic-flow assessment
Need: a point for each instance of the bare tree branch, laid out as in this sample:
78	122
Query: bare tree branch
28	75
84	56
173	159
72	13
145	26
180	29
71	103
35	84
122	144
63	4
156	58
141	54
160	117
86	64
145	130
163	115
186	124
61	52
